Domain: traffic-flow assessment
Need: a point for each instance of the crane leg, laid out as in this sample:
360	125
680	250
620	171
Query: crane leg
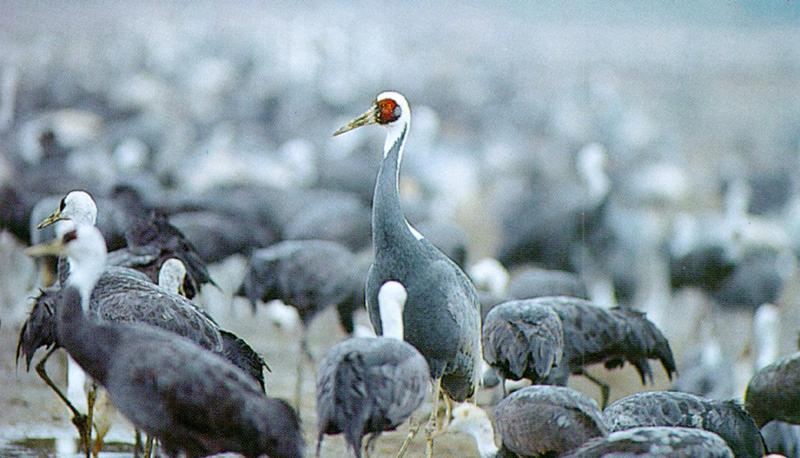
430	428
304	354
78	419
605	390
413	428
448	411
370	447
137	442
148	446
91	396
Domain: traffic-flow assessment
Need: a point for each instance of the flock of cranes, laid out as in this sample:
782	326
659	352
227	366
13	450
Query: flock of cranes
121	305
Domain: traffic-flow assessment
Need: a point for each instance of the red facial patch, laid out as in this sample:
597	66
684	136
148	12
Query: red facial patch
388	111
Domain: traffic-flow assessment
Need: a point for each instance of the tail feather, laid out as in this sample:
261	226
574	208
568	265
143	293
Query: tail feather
39	330
350	398
243	356
645	341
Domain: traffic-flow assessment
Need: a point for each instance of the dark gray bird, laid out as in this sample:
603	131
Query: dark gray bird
371	385
151	241
192	400
655	442
534	282
344	220
534	421
523	339
308	275
774	392
442	315
594	334
727	419
550	224
449	238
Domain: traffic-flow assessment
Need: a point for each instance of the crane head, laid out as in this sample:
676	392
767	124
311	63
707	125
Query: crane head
389	108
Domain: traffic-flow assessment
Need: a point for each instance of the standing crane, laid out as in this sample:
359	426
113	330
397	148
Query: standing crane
442	314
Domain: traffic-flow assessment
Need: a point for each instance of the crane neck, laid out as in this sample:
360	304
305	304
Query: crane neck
88	343
389	225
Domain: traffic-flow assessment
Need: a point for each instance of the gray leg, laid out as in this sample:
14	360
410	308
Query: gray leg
91	396
304	354
605	390
370	447
78	419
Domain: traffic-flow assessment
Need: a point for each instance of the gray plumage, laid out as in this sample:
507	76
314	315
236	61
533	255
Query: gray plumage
441	317
781	437
367	386
655	442
126	296
594	334
728	419
217	236
547	420
523	339
774	392
192	400
535	282
306	274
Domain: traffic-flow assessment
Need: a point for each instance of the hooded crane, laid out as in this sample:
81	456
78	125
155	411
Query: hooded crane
655	442
534	421
370	385
126	295
193	400
592	334
672	408
523	339
442	314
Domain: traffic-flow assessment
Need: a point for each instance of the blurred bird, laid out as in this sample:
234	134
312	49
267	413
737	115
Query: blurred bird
655	442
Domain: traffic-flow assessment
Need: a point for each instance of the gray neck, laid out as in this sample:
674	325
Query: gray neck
389	226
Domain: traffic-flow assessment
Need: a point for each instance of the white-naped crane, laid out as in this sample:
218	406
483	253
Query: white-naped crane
442	313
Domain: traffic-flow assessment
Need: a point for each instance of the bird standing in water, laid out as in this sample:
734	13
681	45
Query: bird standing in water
441	317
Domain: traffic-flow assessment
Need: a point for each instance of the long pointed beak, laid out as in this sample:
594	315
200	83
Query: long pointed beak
367	118
54	247
55	216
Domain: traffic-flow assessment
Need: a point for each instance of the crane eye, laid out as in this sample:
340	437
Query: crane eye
388	111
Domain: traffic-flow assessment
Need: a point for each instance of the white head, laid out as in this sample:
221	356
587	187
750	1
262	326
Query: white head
172	275
86	250
391	301
472	420
77	206
489	274
390	110
591	164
